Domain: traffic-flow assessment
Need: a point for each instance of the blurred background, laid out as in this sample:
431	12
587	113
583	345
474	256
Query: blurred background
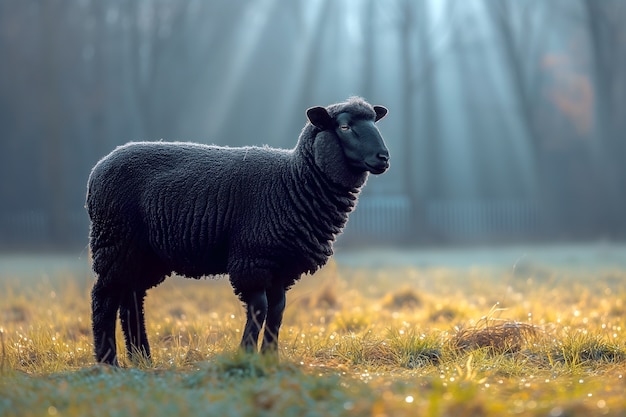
506	121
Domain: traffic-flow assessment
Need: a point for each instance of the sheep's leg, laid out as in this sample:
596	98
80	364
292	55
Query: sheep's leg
104	306
256	306
276	307
133	325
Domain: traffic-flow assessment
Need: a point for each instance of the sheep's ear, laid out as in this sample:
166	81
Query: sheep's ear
319	117
380	112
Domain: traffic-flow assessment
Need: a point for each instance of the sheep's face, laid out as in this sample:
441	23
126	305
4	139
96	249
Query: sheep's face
360	139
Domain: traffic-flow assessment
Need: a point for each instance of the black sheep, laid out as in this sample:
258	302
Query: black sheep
263	216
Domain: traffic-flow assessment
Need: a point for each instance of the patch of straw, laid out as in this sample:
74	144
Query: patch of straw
498	335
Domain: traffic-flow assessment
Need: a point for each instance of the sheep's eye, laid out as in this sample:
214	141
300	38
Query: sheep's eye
344	127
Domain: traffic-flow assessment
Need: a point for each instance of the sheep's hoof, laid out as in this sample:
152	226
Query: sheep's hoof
109	364
270	354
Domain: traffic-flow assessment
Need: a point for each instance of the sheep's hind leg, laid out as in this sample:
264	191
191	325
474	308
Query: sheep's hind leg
256	306
104	306
276	307
134	327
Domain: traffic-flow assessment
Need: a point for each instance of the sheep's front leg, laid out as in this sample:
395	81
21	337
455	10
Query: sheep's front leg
256	306
276	307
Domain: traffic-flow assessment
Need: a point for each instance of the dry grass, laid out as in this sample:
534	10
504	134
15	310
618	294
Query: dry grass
394	341
497	335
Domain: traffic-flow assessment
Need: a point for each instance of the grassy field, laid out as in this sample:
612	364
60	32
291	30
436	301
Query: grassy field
522	339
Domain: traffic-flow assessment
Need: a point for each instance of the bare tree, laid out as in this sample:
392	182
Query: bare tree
608	51
420	111
52	21
301	79
520	39
369	45
174	47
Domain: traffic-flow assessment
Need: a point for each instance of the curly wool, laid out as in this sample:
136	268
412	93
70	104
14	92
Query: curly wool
202	210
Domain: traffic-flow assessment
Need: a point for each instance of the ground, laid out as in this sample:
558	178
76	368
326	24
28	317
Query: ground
523	330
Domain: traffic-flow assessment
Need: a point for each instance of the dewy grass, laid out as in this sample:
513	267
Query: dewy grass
355	342
587	349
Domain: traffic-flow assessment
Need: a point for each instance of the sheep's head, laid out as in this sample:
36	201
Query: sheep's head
362	144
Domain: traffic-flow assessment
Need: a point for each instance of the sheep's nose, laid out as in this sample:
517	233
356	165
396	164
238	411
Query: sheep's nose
384	156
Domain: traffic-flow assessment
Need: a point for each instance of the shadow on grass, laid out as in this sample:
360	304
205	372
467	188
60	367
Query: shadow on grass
230	384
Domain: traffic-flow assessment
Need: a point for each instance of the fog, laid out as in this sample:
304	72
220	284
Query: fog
505	126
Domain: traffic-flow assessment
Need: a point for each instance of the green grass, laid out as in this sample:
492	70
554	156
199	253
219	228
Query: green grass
388	342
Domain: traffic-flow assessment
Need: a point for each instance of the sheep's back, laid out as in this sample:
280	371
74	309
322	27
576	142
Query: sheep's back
184	200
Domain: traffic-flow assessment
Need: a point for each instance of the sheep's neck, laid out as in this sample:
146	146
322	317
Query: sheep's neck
319	196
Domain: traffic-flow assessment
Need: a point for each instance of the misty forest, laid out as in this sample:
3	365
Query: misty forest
481	275
506	121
